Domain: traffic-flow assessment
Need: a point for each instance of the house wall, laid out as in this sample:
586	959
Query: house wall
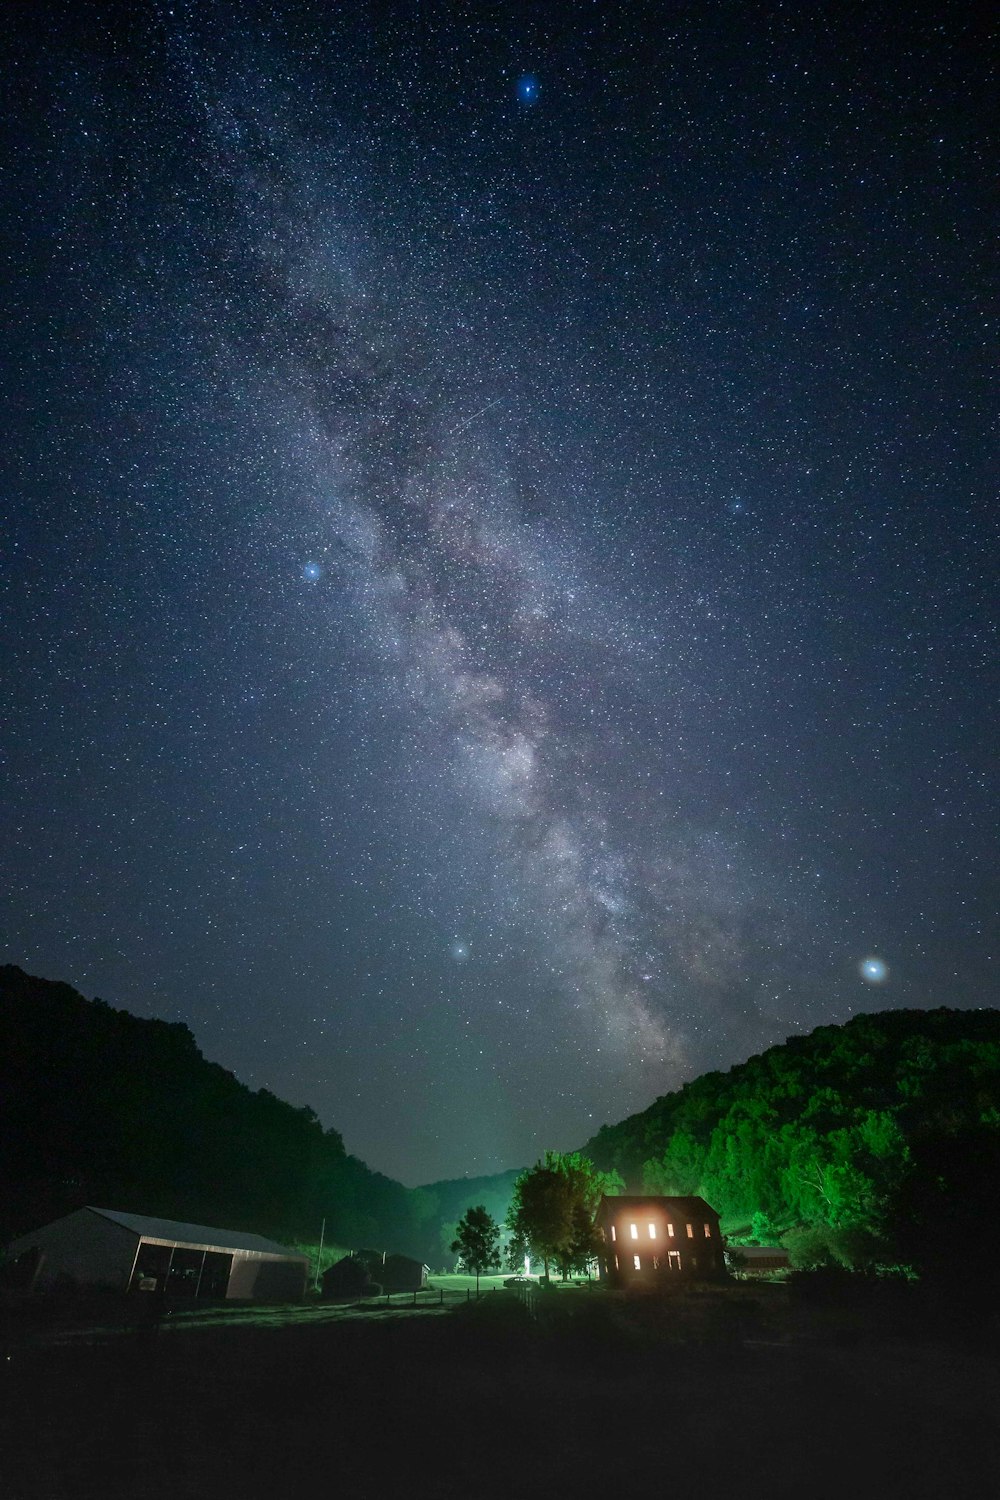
700	1255
83	1247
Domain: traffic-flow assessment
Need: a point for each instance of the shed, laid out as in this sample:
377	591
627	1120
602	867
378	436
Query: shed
104	1248
393	1273
758	1260
401	1273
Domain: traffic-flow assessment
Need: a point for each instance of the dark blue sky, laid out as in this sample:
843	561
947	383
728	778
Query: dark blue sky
499	542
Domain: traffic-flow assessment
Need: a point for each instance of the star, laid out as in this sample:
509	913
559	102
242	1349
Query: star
312	571
873	970
528	88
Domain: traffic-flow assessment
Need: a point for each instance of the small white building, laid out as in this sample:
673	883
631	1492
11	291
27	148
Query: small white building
102	1248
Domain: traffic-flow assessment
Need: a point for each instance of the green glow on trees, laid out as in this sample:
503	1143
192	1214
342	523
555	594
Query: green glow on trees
553	1207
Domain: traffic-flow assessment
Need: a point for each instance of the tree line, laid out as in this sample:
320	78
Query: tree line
550	1218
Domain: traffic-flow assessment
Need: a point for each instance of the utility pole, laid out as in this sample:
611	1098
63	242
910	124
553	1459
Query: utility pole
319	1257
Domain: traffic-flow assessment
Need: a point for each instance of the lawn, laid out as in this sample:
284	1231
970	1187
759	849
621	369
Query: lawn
744	1394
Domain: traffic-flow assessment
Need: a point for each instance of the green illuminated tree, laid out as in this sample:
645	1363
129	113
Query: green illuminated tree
552	1210
477	1242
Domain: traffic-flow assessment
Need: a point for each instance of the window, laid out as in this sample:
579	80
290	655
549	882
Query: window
690	1230
670	1231
616	1262
652	1231
637	1262
656	1262
635	1231
708	1231
613	1232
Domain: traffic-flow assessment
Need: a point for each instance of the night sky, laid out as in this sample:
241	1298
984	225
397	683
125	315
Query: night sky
499	540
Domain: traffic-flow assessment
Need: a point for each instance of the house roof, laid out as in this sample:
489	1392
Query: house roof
201	1235
639	1202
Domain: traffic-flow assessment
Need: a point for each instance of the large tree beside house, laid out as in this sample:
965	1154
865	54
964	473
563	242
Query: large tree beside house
552	1210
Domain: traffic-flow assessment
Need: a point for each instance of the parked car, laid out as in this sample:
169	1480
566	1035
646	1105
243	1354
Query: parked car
519	1281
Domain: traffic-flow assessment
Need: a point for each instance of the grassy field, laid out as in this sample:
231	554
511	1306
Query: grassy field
742	1392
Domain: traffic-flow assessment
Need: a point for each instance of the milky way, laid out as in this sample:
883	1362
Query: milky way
524	673
499	581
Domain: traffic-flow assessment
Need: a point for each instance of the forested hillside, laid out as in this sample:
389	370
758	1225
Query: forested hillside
445	1202
857	1143
862	1140
99	1106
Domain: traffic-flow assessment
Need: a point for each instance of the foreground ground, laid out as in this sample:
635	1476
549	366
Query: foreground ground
580	1395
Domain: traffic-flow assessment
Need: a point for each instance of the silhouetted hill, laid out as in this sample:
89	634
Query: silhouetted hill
100	1106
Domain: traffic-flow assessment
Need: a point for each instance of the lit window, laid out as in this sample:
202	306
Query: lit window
652	1231
690	1230
635	1231
636	1262
670	1231
616	1262
613	1236
708	1231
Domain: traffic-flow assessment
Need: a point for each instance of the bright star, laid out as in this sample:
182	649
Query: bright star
460	952
873	970
312	571
527	88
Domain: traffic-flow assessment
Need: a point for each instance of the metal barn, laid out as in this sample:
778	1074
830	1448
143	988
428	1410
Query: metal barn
100	1247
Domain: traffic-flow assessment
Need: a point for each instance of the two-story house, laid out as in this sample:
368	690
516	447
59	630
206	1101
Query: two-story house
648	1238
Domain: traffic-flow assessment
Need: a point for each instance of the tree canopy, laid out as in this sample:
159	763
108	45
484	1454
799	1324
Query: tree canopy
477	1242
552	1210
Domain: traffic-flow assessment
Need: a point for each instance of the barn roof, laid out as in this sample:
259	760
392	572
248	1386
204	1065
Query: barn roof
193	1234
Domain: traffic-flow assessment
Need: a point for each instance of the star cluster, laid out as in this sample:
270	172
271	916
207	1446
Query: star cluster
498	591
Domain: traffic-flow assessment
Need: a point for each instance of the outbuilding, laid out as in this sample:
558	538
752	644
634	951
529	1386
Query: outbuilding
104	1248
757	1260
393	1273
